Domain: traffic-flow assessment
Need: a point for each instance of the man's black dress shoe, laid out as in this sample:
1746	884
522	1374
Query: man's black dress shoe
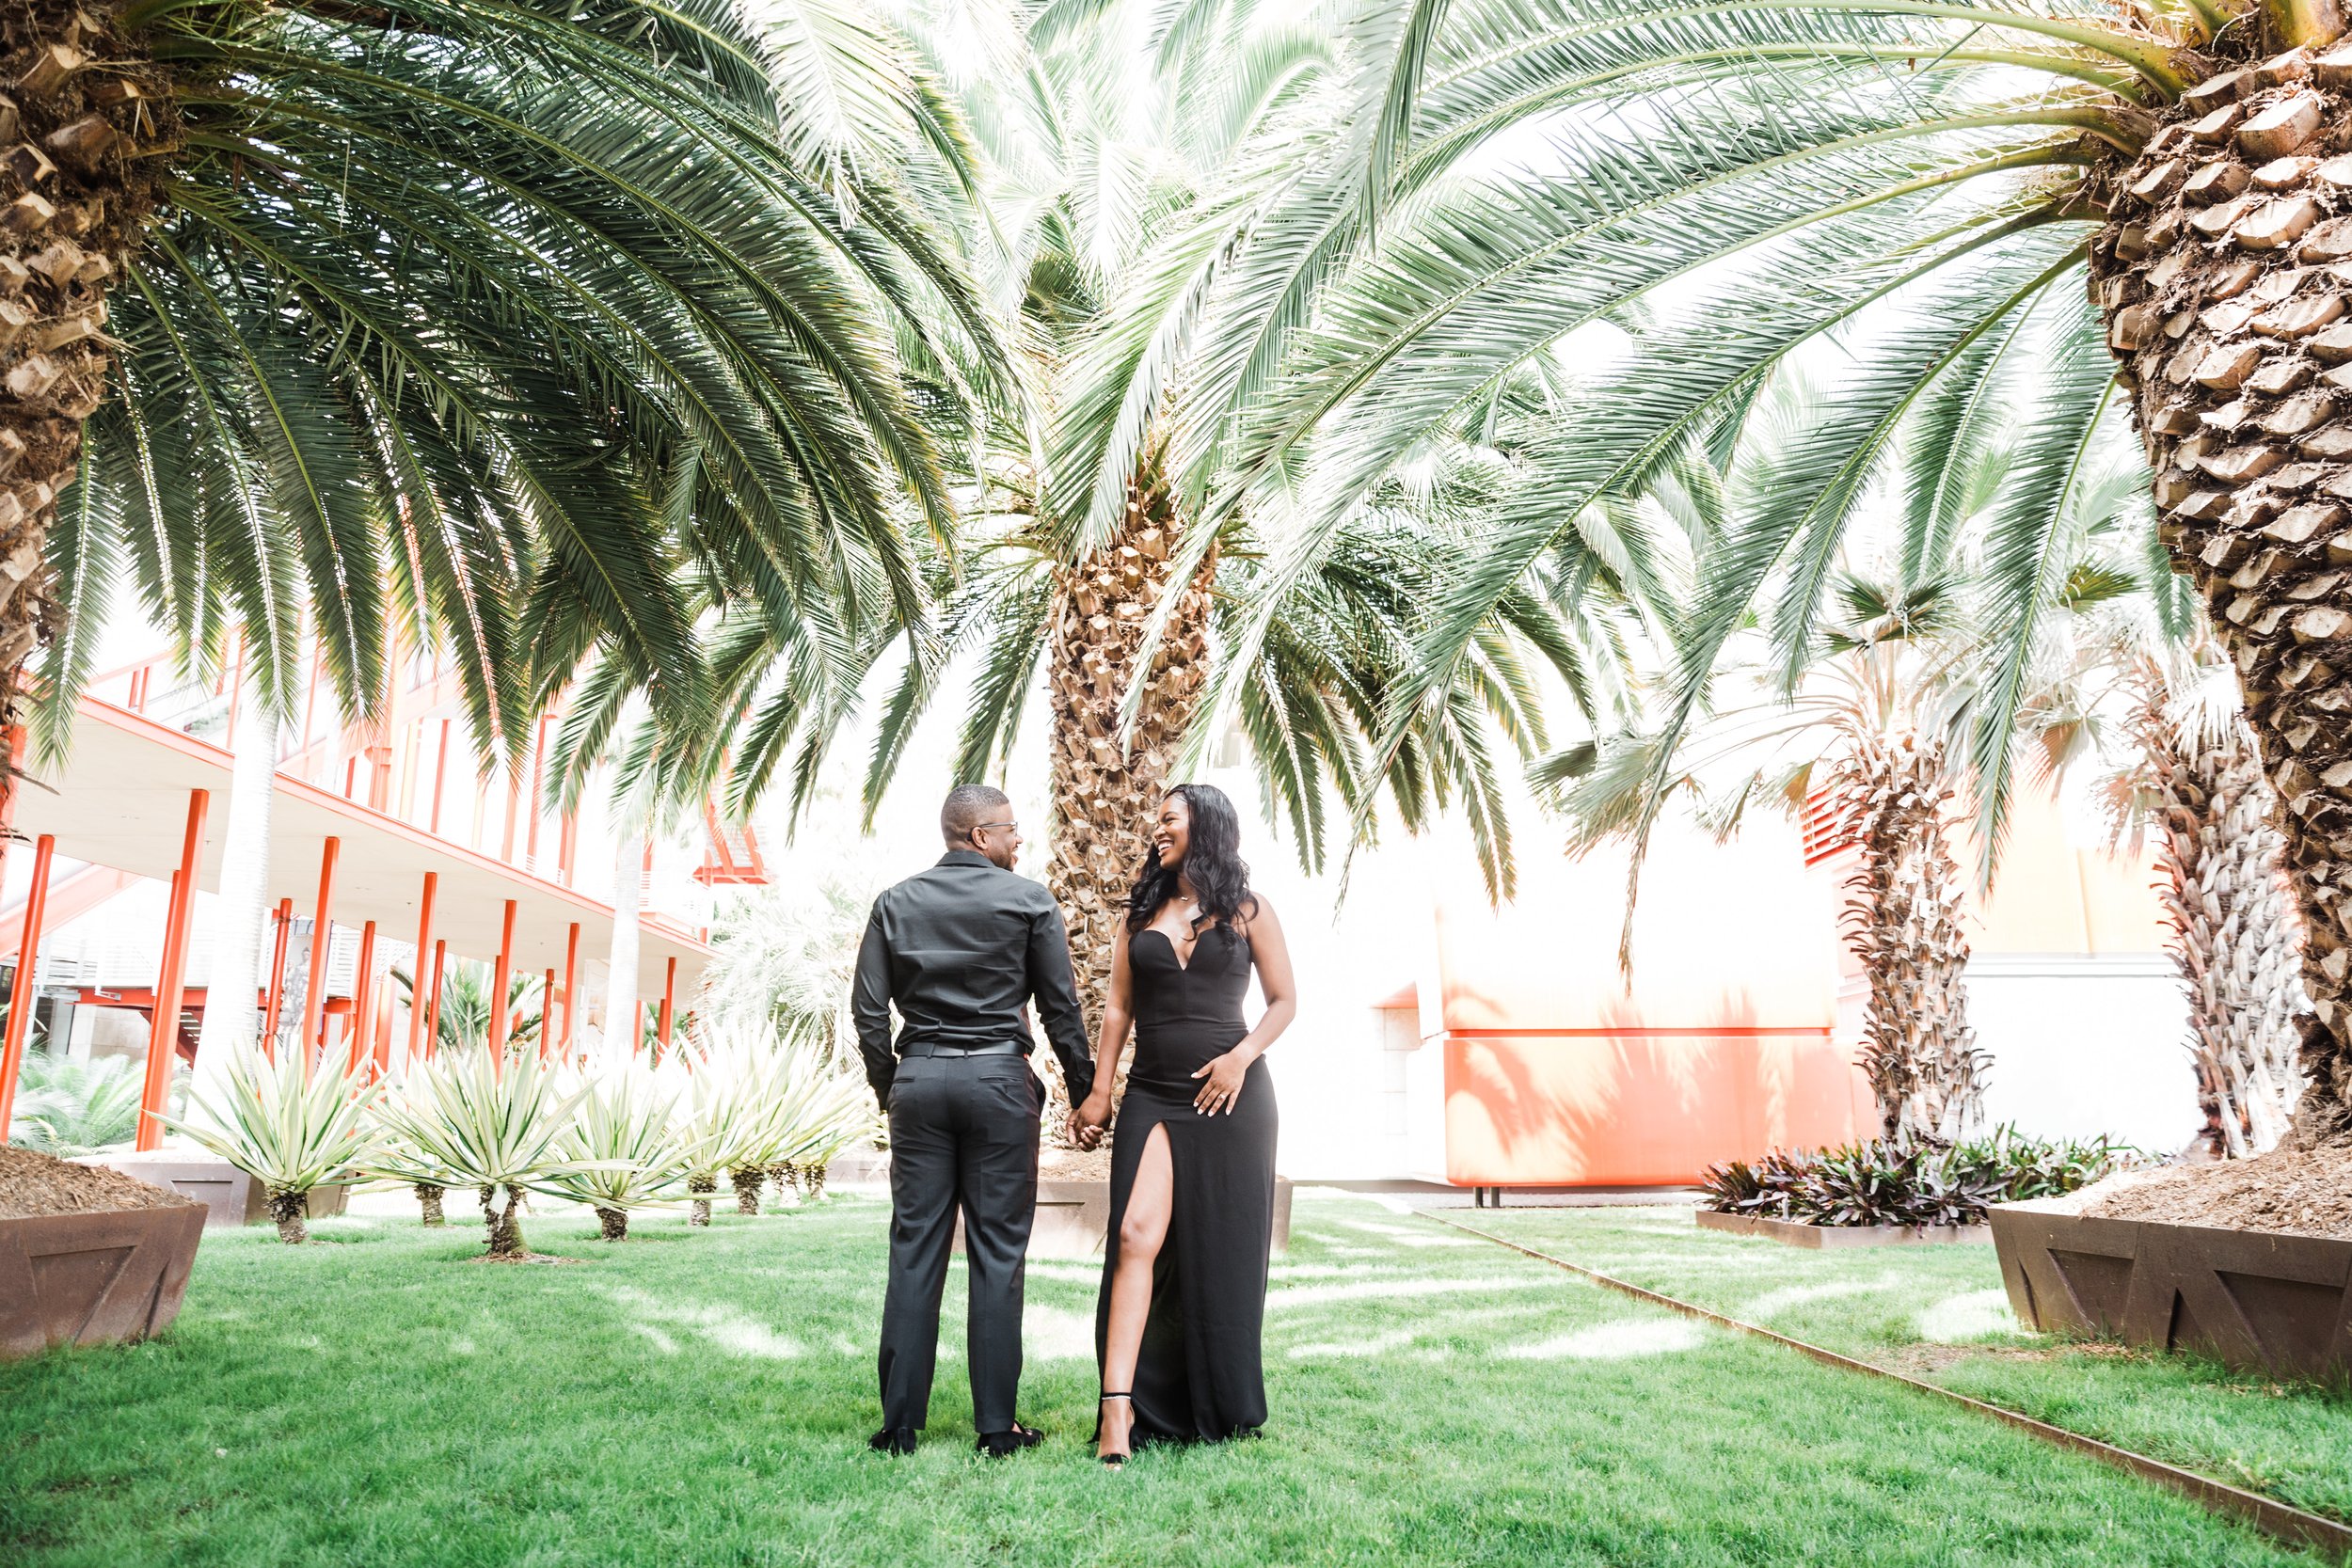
894	1440
999	1445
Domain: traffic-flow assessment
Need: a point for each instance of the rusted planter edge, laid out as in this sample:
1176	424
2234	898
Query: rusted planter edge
230	1195
106	1277
2268	1300
1799	1234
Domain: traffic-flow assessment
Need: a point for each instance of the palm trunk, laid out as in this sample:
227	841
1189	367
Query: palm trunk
613	1224
699	1185
747	1182
290	1210
1103	797
506	1231
787	1177
2233	936
429	1197
75	195
2227	333
813	1183
241	910
620	987
1903	917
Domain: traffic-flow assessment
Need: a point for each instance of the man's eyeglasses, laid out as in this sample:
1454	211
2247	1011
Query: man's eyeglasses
983	827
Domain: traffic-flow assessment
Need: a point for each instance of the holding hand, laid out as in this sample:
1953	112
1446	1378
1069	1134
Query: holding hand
1223	1089
1088	1118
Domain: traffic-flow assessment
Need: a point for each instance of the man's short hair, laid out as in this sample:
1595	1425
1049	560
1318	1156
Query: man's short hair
967	807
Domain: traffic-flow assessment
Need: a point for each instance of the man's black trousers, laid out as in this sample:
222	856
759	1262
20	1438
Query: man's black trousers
963	1133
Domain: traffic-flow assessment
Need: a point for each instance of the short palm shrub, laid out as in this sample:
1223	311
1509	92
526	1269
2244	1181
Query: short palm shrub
622	1144
460	1117
67	1107
290	1123
1905	1182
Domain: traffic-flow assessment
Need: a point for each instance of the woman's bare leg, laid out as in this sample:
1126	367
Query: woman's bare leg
1141	1230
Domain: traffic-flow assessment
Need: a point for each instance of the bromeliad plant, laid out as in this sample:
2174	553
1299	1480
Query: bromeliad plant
459	1116
290	1123
1907	1181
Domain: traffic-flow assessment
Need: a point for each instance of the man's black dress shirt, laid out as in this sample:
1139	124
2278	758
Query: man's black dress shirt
961	948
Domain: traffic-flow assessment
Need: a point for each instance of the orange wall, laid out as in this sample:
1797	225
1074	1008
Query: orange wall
1561	1070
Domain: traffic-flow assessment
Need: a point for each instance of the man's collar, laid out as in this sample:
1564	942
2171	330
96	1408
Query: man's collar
967	857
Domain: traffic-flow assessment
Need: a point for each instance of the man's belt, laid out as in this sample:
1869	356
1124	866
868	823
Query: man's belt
1002	1048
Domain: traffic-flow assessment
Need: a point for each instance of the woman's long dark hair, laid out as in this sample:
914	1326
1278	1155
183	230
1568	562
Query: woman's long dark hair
1212	863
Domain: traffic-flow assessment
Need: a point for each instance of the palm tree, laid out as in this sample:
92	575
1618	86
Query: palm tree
487	324
2199	781
1939	183
1081	566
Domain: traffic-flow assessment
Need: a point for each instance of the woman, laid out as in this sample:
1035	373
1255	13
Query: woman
1192	1162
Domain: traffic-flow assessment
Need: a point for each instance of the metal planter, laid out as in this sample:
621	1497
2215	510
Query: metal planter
105	1278
2259	1299
1797	1233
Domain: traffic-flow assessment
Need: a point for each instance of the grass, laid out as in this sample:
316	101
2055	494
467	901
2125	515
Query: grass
702	1397
1939	1313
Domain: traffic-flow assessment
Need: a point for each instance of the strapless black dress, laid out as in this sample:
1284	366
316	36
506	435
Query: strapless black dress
1201	1373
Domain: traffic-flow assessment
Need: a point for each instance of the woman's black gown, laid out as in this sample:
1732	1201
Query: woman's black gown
1199	1374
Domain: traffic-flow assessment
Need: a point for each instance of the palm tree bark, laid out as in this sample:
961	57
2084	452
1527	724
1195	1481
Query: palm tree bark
291	1210
2234	932
1104	794
84	107
1890	794
2232	334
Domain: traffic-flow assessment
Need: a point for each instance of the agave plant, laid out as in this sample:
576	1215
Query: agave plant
732	1121
459	1116
624	1148
290	1123
830	1111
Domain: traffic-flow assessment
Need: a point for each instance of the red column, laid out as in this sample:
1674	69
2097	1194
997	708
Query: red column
360	979
433	1001
571	983
313	1030
567	850
547	1013
164	1030
277	978
416	965
21	1000
499	979
668	997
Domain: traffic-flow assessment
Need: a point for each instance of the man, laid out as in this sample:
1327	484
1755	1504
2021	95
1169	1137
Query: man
962	949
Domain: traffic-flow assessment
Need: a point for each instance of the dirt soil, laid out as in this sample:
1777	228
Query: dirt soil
34	1184
2307	1192
1073	1164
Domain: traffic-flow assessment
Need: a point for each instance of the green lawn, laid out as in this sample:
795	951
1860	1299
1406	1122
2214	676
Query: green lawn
1939	1313
702	1397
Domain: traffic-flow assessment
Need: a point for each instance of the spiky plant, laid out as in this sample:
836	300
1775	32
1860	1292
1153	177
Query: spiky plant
731	1119
2233	930
290	1122
460	1117
629	1148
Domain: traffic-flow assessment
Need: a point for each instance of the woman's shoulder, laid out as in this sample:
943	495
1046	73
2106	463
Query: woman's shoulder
1254	908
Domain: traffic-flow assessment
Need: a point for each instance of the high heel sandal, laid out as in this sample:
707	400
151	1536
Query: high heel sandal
1116	1460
